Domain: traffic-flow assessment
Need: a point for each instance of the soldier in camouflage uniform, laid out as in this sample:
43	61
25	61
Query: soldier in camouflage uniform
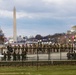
8	55
23	47
14	56
9	48
18	56
23	56
34	48
26	48
15	48
30	49
44	48
4	58
18	47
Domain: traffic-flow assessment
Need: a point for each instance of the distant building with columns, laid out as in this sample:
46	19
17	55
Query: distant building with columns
72	30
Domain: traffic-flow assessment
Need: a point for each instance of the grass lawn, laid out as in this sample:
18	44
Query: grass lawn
43	70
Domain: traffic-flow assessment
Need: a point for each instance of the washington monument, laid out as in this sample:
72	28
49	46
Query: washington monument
14	25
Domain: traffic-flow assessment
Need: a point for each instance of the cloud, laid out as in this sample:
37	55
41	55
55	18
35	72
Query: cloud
0	1
9	14
5	13
23	14
39	8
54	1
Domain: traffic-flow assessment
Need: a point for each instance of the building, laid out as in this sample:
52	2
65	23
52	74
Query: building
72	30
71	34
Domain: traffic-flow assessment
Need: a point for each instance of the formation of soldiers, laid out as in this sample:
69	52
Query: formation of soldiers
20	52
14	56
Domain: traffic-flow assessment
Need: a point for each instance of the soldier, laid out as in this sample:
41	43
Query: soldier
30	49
25	54
18	47
8	55
9	48
54	47
4	56
50	47
23	47
44	49
65	47
57	47
40	48
61	47
69	47
15	48
34	49
14	56
72	47
26	48
22	55
18	56
74	55
68	55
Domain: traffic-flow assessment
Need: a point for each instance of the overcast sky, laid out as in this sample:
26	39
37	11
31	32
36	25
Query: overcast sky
37	16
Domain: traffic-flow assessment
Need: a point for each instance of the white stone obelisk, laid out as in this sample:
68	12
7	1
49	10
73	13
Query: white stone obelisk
14	25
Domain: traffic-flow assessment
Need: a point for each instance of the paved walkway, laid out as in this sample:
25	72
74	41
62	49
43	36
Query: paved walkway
53	56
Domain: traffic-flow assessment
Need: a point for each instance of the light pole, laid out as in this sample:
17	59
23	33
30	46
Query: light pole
74	44
49	42
39	45
60	47
37	52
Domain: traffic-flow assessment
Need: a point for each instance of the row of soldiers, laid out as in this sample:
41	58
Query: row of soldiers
32	48
8	56
18	52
